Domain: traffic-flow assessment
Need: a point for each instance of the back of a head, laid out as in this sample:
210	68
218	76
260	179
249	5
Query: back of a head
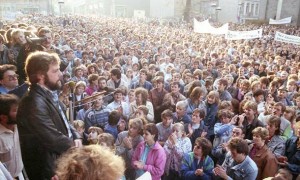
91	162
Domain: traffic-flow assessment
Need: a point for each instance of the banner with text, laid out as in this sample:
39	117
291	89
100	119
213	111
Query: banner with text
281	21
236	35
287	38
205	27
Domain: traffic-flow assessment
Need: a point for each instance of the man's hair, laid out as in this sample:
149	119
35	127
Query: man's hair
90	162
205	145
116	72
283	107
93	77
152	129
284	174
6	101
6	67
143	92
201	112
42	31
174	83
225	113
258	92
238	144
167	113
182	104
143	71
224	82
261	132
108	139
144	109
250	105
78	124
39	63
274	120
114	118
264	80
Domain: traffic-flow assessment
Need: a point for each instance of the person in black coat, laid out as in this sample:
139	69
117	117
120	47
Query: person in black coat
44	130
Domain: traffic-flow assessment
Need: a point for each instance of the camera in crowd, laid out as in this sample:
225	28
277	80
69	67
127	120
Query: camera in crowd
32	39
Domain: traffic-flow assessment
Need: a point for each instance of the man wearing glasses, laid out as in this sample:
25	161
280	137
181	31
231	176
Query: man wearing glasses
8	78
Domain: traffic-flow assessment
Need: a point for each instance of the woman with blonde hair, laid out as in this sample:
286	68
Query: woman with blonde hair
91	162
126	143
175	147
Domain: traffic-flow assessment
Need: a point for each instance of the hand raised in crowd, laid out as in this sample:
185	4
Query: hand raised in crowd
282	161
173	138
199	172
128	142
220	171
241	119
78	143
203	134
138	164
190	129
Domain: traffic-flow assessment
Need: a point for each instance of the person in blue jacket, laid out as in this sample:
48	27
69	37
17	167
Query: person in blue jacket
198	164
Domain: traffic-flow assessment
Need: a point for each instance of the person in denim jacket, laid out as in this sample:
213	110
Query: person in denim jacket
198	164
237	164
275	142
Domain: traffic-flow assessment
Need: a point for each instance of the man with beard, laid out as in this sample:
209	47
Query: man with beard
44	130
10	153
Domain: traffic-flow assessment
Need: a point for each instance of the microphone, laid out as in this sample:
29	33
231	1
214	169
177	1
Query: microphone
71	85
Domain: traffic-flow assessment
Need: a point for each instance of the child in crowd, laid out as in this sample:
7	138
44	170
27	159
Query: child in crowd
79	126
141	112
93	134
165	127
212	103
175	147
196	127
223	130
112	126
259	99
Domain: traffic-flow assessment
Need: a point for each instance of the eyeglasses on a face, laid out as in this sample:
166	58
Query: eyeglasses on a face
13	77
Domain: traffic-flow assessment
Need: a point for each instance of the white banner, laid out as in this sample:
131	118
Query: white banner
236	35
201	27
287	38
281	21
205	27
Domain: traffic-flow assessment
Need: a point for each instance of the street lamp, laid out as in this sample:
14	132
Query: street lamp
60	3
217	13
213	8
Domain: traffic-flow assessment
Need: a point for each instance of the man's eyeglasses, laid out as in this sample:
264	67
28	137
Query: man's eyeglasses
234	132
13	77
197	146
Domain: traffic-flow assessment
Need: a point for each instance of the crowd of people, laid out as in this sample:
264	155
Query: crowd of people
108	98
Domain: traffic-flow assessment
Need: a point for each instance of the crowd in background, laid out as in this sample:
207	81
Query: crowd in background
171	102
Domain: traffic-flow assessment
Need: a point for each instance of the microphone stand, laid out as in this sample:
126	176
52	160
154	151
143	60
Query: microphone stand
72	106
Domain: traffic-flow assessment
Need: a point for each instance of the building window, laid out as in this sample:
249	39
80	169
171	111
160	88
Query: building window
256	9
